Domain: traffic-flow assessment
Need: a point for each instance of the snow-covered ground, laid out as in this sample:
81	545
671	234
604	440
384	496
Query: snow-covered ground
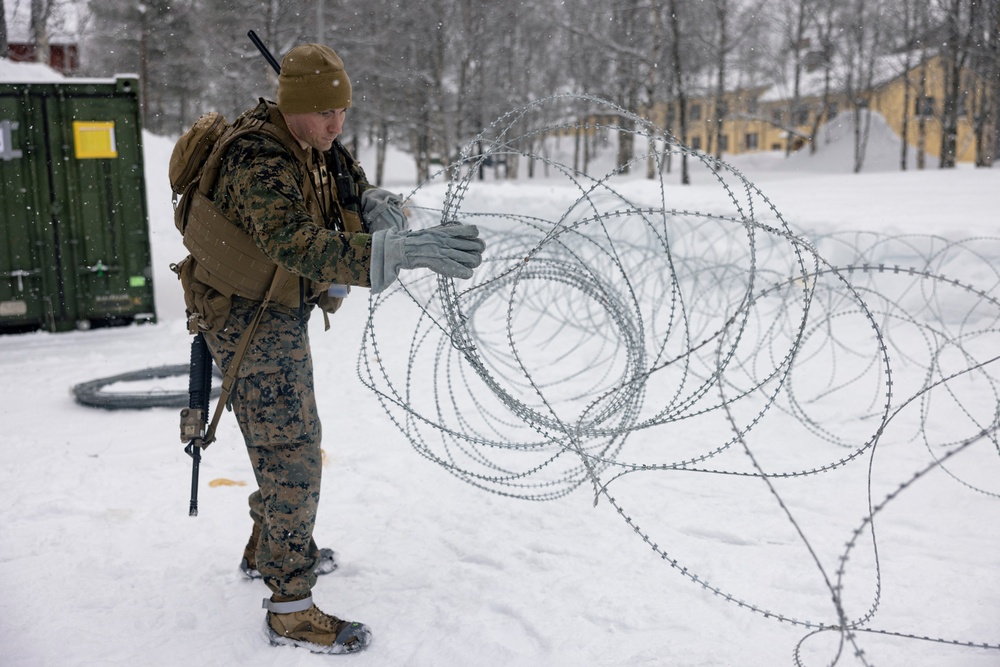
100	563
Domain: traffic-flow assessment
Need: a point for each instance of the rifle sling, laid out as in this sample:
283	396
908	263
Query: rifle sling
234	366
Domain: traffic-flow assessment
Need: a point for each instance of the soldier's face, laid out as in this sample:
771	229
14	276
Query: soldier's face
317	129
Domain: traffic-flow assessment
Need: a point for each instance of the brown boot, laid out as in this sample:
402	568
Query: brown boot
301	623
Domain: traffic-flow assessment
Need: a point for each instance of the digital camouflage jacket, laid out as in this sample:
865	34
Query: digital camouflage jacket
302	208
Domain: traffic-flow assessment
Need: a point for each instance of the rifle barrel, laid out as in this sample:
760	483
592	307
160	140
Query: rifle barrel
264	51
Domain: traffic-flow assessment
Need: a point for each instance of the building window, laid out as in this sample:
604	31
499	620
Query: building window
924	106
777	117
696	143
802	115
813	60
695	112
751	141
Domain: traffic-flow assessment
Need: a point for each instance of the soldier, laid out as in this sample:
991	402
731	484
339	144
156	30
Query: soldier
304	202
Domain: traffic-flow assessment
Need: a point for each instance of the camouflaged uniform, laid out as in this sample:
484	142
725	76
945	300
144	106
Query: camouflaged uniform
285	198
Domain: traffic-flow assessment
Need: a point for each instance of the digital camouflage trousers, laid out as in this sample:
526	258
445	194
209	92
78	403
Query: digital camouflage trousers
275	405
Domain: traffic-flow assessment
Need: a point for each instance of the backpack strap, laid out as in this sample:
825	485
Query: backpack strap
210	173
242	126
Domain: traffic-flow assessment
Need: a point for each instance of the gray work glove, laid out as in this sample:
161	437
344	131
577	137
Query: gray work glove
450	250
382	210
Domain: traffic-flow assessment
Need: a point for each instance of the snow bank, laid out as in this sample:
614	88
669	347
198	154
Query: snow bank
17	72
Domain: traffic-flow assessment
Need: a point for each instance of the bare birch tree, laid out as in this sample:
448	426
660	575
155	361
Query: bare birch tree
984	81
800	18
862	26
680	86
826	32
959	21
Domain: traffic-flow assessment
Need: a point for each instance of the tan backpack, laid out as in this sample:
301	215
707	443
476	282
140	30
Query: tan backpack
197	157
192	150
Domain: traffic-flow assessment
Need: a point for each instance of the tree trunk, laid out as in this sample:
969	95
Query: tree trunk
904	129
797	39
994	82
40	11
381	145
859	148
921	116
675	29
576	150
949	113
956	54
864	39
3	30
822	113
421	151
722	15
825	29
626	145
989	89
653	87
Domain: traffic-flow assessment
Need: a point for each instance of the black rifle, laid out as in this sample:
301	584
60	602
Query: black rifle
264	51
194	418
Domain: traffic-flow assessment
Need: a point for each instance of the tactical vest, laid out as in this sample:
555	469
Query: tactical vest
224	256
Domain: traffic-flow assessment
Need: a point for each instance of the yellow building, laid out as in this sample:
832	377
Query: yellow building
923	106
762	118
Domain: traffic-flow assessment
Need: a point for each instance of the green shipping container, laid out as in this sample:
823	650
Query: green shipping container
74	230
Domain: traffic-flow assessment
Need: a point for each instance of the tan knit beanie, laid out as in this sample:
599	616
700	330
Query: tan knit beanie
312	79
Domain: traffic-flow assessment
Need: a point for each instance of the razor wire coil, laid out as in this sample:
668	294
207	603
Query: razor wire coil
591	330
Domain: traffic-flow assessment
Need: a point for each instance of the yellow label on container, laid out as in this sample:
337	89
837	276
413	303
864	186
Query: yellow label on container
94	139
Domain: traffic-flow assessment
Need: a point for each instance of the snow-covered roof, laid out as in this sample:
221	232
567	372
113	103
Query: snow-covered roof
20	72
886	68
14	72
